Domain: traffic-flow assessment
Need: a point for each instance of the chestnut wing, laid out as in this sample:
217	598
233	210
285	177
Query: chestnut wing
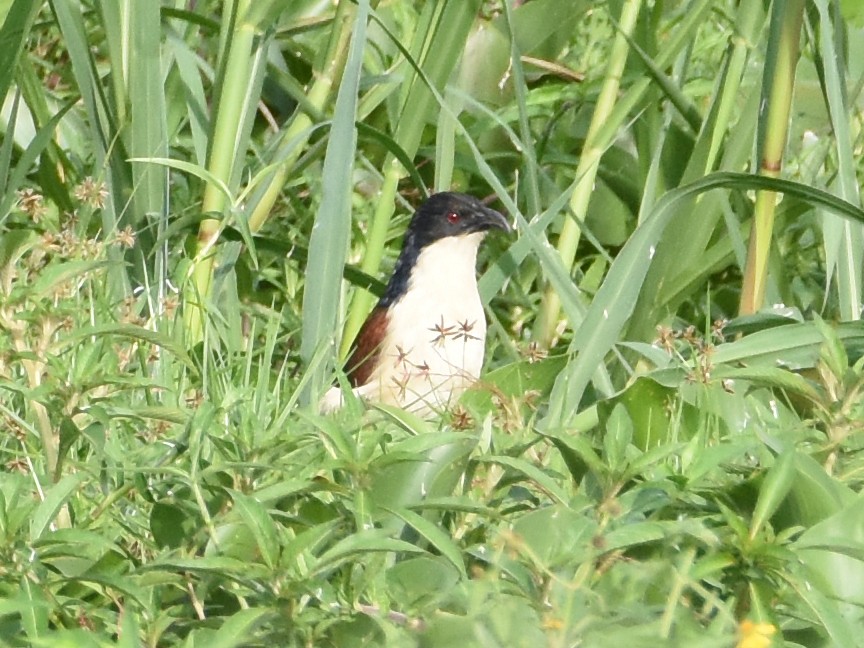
366	351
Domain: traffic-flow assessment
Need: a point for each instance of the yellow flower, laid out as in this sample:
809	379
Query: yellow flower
755	635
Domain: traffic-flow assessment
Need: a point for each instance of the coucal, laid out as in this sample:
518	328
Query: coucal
423	343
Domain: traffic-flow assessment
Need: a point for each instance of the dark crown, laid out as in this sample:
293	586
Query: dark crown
451	214
441	215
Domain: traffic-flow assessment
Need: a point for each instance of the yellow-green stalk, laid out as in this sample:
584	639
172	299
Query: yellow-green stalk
568	242
319	97
231	103
777	87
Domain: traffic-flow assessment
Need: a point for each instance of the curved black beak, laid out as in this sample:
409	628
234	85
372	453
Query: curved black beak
489	219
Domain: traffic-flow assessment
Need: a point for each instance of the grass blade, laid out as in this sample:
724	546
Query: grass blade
328	245
55	499
26	161
589	161
844	241
614	301
436	537
13	36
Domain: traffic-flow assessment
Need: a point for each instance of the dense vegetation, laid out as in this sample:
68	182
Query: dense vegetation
198	200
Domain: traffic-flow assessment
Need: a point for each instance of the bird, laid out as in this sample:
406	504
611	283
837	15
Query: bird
423	343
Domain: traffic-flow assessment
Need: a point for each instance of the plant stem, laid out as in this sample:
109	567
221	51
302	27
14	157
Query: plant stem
319	96
223	153
586	171
777	88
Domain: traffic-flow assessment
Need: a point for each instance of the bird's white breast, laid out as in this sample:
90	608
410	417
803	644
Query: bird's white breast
436	333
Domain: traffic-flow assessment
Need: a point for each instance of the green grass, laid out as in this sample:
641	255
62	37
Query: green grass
191	229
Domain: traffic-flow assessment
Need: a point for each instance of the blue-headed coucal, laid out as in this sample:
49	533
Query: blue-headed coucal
423	343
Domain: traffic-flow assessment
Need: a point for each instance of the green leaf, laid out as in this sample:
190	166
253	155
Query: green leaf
69	433
140	333
514	380
296	250
773	377
392	147
148	128
843	632
54	276
794	346
631	535
712	458
328	244
34	613
512	567
617	434
238	628
28	159
761	608
77	638
310	540
775	487
648	405
219	566
437	463
844	241
55	498
538	476
171	524
614	301
259	522
408	421
814	495
13	35
833	552
578	454
192	169
129	629
557	536
853	11
733	520
436	537
417	580
832	353
361	542
13	245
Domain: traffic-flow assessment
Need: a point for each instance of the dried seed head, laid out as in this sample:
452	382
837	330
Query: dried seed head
460	419
32	203
665	338
91	192
125	237
534	353
717	329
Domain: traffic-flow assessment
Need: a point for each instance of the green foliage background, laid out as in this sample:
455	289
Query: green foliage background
198	201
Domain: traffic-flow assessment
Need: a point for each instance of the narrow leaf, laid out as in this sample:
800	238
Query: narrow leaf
258	521
775	487
328	245
13	35
542	479
436	537
55	498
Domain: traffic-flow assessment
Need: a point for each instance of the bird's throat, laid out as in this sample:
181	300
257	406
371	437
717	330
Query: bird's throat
437	329
445	271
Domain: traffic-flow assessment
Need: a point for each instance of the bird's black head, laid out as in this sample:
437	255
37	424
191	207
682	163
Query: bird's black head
443	215
451	214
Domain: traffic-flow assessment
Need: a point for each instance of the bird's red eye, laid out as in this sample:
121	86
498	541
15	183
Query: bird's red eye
452	218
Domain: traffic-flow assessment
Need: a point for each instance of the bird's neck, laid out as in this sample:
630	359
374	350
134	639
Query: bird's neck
447	263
